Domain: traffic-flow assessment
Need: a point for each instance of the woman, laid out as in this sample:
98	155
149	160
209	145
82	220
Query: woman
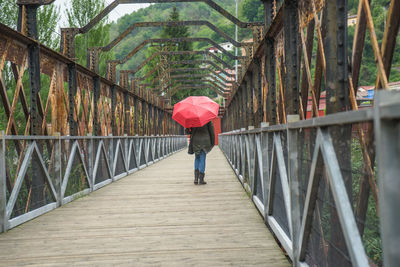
203	140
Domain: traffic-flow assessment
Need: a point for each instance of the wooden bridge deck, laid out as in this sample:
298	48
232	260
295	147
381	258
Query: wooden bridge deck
153	217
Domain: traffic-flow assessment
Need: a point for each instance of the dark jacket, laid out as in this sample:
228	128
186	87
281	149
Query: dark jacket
203	138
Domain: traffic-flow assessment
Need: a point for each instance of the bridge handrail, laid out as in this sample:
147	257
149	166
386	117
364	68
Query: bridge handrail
69	167
271	155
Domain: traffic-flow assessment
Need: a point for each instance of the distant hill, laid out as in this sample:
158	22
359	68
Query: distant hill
160	12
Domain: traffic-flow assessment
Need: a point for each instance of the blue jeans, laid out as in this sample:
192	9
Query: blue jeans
200	161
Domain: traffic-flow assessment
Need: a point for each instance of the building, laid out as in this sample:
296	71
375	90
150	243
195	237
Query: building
365	94
321	107
351	20
226	46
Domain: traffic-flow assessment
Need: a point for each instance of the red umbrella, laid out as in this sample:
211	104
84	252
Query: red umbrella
195	111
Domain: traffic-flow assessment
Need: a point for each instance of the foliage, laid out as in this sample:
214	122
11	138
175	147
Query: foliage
9	13
80	13
187	11
371	237
173	32
47	19
252	10
368	71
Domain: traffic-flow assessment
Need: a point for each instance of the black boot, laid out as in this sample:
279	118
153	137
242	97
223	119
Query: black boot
196	176
201	178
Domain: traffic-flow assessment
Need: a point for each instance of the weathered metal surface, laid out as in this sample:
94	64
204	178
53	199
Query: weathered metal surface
175	40
170	53
325	157
70	112
195	62
388	150
210	3
172	24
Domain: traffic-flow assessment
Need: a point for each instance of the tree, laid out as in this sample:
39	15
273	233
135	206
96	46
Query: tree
252	10
80	13
174	32
47	19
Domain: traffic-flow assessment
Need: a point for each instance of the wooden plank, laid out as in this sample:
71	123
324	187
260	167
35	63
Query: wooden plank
153	217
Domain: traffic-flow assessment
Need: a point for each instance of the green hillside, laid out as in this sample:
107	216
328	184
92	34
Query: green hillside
187	11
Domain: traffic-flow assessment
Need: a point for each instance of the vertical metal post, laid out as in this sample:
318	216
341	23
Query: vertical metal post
244	107
126	149
35	86
57	168
237	109
113	108
3	185
258	91
91	155
149	118
266	166
111	70
67	41
135	115
111	154
34	70
269	69
72	89
337	93
291	32
387	132
240	108
143	130
92	61
250	90
126	112
158	121
96	96
294	185
236	39
335	44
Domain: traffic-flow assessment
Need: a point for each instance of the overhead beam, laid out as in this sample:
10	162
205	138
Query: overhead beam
210	3
171	24
149	59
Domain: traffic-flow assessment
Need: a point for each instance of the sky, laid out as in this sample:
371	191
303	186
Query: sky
118	12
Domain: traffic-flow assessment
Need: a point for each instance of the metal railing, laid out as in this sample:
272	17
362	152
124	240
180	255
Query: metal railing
311	182
51	171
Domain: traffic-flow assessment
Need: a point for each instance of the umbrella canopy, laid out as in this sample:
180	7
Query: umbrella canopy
195	111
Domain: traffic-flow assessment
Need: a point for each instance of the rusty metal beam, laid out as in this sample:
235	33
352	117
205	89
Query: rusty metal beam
175	40
149	59
291	41
112	64
171	24
389	38
68	34
186	81
210	3
193	86
200	75
157	79
194	62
